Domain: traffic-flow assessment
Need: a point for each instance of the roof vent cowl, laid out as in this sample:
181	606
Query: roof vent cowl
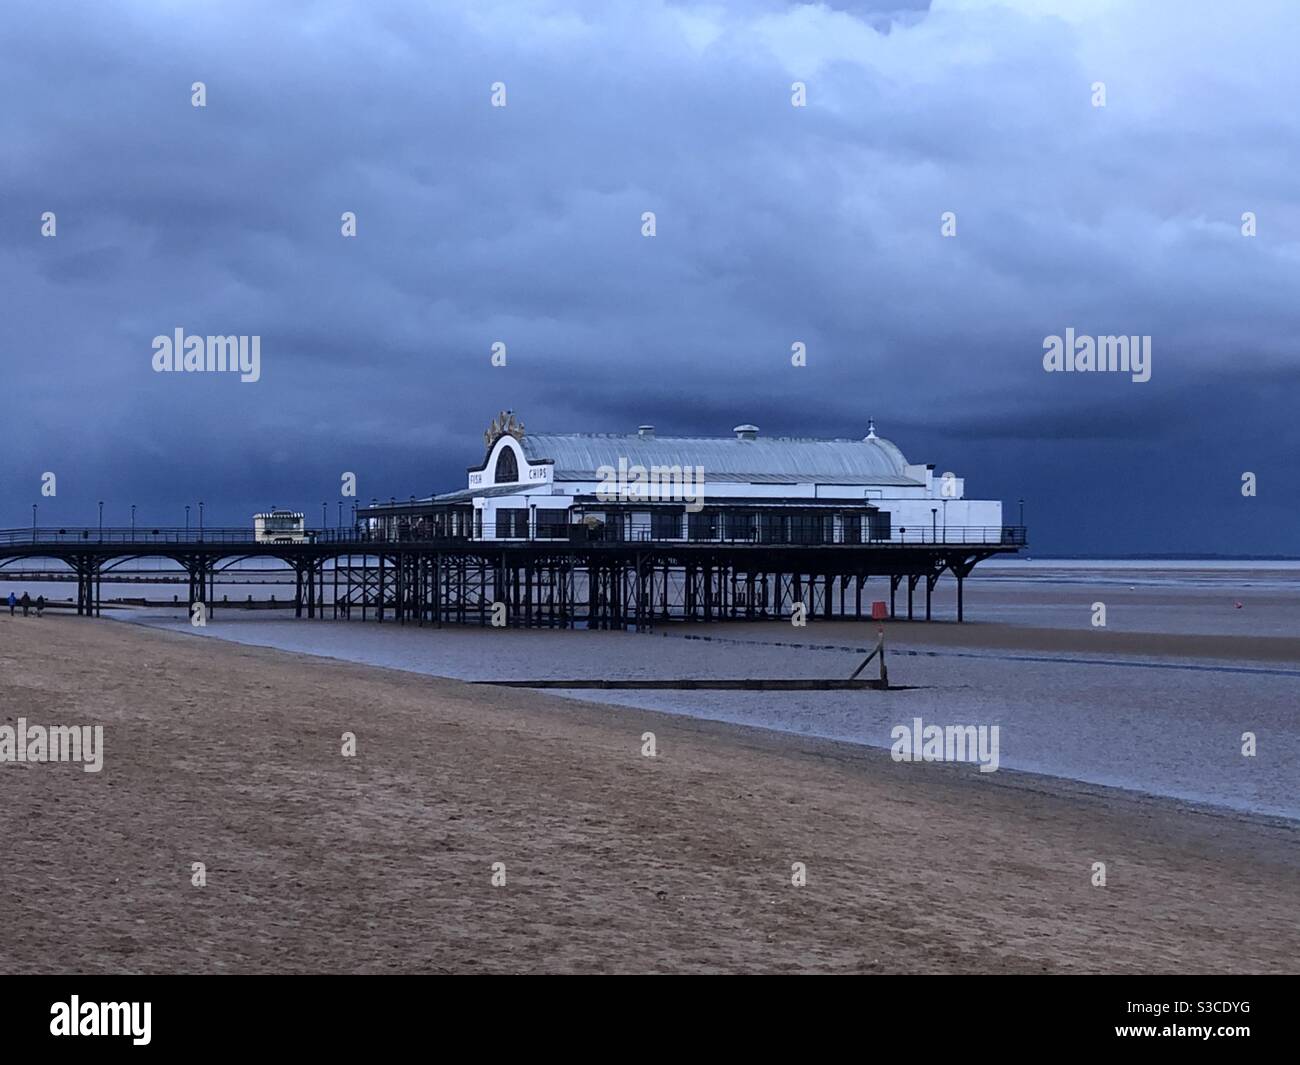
746	432
645	432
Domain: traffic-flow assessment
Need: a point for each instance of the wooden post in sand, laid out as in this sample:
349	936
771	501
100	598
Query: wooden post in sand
879	650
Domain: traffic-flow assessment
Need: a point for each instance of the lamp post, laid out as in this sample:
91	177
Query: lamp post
200	520
324	517
187	521
1022	513
101	519
133	523
33	523
340	518
934	521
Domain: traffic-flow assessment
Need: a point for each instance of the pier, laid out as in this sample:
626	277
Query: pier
608	578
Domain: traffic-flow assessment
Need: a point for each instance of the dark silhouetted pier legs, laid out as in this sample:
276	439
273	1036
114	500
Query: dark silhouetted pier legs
607	586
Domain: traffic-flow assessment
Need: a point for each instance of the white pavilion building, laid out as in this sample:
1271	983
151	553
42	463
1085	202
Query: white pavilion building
738	488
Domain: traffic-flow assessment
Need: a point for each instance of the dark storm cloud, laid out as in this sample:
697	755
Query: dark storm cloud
775	225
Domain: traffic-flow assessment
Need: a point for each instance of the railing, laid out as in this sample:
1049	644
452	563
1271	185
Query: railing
640	531
71	536
610	532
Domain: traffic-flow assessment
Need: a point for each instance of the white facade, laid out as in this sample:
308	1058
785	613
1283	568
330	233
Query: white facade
738	487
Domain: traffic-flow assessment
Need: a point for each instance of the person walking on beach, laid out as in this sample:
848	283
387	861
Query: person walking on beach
40	606
13	602
27	603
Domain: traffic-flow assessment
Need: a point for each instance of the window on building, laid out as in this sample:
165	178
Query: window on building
852	525
739	525
507	471
617	524
666	523
771	528
552	524
702	526
881	526
811	528
512	522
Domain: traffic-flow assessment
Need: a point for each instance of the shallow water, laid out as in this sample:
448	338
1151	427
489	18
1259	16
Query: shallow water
1250	599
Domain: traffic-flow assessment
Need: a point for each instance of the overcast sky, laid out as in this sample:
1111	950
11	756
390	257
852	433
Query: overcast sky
775	224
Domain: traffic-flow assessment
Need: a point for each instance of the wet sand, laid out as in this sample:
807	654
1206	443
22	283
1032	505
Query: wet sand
997	636
230	755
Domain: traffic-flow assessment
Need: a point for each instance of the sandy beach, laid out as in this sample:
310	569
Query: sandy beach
229	755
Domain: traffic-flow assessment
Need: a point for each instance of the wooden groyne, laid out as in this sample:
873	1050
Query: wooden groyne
855	682
748	684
